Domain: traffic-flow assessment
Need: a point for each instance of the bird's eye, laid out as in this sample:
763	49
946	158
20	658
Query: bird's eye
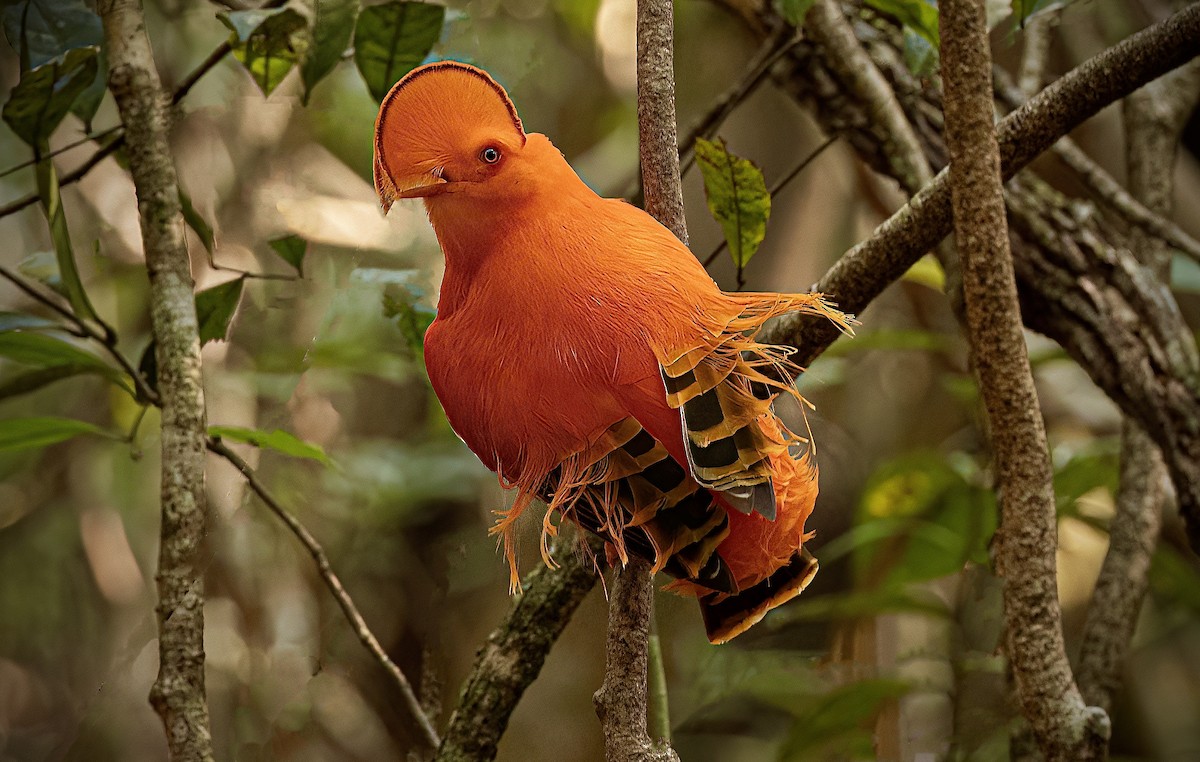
490	155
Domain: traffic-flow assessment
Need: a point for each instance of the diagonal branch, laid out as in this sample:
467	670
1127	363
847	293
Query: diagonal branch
428	734
1075	286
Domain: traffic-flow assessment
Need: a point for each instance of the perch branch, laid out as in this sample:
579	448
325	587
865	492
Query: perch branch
514	653
428	734
1027	537
178	693
622	703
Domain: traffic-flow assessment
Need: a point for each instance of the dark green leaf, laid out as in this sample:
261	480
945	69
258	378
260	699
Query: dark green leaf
1175	578
291	248
278	440
46	349
69	282
412	317
333	26
392	39
795	10
30	433
45	94
917	15
837	723
88	102
215	307
1093	468
14	384
196	222
41	30
737	197
267	42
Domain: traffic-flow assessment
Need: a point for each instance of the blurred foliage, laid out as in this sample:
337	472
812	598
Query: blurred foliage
313	323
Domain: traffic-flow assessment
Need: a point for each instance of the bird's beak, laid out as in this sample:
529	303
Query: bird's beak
436	188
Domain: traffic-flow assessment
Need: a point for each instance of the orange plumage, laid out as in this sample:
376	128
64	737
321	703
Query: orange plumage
587	358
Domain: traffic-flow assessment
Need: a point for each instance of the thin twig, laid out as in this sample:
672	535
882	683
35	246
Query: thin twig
83	329
91	136
1027	538
774	48
429	735
1035	41
779	185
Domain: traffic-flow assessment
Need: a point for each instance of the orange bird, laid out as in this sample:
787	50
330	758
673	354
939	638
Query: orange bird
587	358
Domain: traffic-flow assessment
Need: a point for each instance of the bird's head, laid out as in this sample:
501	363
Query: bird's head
446	128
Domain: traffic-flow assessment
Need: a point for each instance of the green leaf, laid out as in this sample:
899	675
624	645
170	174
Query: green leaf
291	248
332	28
921	57
196	222
87	102
837	723
277	440
69	283
54	358
267	42
794	11
917	15
45	94
410	315
392	39
42	30
30	433
46	349
737	197
215	307
13	321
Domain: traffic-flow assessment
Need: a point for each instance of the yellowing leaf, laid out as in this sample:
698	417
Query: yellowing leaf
737	197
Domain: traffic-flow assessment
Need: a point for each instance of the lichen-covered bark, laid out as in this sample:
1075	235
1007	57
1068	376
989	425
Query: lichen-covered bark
1154	117
658	138
1076	287
1027	539
178	692
512	657
622	701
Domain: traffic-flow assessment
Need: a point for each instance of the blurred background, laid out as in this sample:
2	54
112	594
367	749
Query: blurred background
894	644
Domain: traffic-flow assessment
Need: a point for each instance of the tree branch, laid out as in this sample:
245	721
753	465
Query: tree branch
853	67
178	692
1124	331
1154	117
621	703
514	653
428	734
1027	537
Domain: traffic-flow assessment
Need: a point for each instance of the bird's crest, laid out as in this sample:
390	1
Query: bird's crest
435	111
